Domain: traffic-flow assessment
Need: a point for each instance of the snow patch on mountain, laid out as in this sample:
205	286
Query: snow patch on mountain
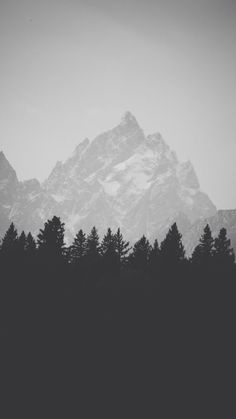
122	178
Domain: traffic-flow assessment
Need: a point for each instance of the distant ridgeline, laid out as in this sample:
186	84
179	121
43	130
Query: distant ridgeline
122	178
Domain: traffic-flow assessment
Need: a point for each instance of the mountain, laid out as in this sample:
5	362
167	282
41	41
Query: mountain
122	178
8	191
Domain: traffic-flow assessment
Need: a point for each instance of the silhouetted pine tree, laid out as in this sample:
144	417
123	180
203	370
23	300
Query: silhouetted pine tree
21	247
9	252
108	252
92	255
10	242
203	252
78	248
51	246
172	250
139	257
223	253
92	243
154	258
122	248
22	243
30	251
30	246
108	243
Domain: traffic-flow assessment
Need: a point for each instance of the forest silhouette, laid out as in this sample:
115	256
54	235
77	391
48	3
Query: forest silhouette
107	322
89	260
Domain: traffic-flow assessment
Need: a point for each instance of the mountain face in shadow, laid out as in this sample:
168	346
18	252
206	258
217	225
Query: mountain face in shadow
122	178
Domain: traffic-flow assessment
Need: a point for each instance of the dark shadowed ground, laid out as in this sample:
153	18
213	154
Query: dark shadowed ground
120	348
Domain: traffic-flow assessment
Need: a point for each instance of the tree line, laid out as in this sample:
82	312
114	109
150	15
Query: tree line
102	302
90	256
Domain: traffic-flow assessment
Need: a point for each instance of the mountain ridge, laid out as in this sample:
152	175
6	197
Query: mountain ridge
121	178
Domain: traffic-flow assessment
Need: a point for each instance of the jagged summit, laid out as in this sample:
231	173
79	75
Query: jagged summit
6	170
121	178
129	119
3	158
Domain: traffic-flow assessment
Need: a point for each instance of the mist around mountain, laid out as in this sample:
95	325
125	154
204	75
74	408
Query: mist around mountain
122	178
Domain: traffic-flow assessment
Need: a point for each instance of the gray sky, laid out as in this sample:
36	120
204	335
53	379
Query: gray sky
70	69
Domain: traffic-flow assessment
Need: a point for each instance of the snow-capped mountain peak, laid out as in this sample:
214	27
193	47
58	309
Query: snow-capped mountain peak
119	179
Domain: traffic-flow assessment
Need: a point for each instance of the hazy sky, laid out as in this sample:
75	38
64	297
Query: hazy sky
70	69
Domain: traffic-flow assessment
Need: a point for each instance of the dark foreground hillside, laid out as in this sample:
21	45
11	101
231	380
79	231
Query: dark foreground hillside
119	347
100	329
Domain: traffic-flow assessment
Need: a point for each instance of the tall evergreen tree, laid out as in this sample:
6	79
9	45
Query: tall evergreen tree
31	251
51	245
122	247
9	252
155	251
21	249
223	253
78	248
139	257
92	244
109	254
22	243
108	243
30	245
203	252
154	258
10	241
172	250
93	256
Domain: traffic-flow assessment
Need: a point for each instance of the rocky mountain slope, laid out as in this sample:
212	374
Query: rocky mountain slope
122	178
